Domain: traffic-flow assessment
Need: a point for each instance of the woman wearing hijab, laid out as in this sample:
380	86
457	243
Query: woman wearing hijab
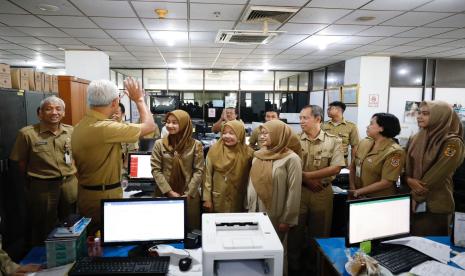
276	177
433	154
178	164
378	159
227	170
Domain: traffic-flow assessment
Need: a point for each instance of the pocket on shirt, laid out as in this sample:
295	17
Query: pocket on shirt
41	148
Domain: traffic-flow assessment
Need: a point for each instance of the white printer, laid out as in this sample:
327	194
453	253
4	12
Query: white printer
240	244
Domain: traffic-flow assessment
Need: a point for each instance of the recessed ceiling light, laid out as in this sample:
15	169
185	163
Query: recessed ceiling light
59	48
47	7
365	18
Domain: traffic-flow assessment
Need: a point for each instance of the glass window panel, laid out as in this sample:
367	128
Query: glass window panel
450	73
192	103
113	76
253	106
217	101
155	79
303	81
185	79
257	80
293	83
120	81
283	79
406	72
221	80
335	75
318	79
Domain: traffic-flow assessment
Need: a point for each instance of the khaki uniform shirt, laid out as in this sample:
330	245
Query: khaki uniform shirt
384	163
438	178
7	266
346	130
193	163
253	140
324	151
287	185
96	145
44	152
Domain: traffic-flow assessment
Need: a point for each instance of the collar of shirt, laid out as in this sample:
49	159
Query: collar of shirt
320	136
384	144
99	116
343	122
43	128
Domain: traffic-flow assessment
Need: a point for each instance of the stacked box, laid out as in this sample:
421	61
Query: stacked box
46	83
38	81
5	76
65	250
20	78
55	84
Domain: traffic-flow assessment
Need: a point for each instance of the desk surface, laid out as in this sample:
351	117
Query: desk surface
334	251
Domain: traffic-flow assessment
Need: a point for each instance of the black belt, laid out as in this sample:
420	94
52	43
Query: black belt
101	187
60	178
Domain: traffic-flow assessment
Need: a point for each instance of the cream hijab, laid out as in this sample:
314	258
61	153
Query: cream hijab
283	141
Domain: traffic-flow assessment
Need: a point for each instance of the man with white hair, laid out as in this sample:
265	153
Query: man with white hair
43	152
97	142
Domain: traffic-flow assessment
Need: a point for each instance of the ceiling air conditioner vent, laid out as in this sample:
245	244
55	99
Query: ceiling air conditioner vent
255	14
245	36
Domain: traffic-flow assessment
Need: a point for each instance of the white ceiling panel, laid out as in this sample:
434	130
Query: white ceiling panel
205	25
147	9
60	40
423	32
118	23
256	27
137	34
341	4
135	42
75	47
10	46
99	41
277	2
432	50
315	15
460	33
393	41
50	32
69	21
429	42
7	7
112	48
23	40
141	49
403	49
42	47
65	7
237	50
342	30
456	43
415	18
444	6
204	36
383	31
357	39
372	48
379	16
457	21
203	43
399	5
88	33
201	51
165	38
105	8
208	11
342	47
165	24
22	20
8	31
307	29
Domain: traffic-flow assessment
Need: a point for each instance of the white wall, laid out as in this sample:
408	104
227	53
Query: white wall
450	95
352	76
316	98
89	65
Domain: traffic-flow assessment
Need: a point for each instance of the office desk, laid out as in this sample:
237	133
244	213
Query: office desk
332	258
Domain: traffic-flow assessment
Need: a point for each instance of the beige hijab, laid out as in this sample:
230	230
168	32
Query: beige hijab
177	144
283	140
233	162
425	146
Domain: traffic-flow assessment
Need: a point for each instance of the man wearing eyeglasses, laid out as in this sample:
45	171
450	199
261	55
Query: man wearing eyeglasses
339	126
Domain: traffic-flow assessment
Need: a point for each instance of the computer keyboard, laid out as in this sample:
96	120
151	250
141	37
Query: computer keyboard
140	186
399	258
121	266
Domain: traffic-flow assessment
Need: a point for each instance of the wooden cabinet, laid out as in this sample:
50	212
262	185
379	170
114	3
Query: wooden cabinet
74	92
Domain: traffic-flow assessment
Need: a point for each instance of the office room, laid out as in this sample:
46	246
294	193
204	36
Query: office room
240	137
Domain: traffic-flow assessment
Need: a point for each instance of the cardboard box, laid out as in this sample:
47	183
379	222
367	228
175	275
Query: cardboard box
61	251
55	84
5	76
46	84
38	80
20	78
32	82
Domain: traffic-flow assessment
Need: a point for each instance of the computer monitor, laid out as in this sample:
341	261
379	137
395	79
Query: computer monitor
218	103
144	221
139	166
160	104
377	219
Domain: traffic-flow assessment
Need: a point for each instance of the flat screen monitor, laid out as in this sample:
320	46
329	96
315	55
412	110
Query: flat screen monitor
139	166
143	221
218	103
161	104
378	219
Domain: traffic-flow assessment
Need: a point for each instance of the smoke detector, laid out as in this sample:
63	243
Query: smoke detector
161	13
257	14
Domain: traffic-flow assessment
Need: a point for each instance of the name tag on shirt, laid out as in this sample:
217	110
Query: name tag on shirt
40	143
68	158
358	170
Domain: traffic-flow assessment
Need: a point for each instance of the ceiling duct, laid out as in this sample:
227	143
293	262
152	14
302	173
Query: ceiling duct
257	14
246	36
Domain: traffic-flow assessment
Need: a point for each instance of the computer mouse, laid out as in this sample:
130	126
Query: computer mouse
185	264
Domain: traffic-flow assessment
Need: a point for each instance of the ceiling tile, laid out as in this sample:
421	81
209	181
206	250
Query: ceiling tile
105	8
89	33
99	41
429	42
141	49
147	9
403	49
207	11
379	16
112	48
7	7
342	30
23	40
255	26
307	29
10	46
135	42
236	50
214	25
444	6
65	8
8	31
423	32
61	40
165	24
343	47
118	23
457	21
397	5
315	15
205	36
22	20
371	48
383	31
393	41
42	47
137	34
69	21
344	4
203	43
205	50
358	39
50	32
432	50
277	2
415	18
75	47
460	33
